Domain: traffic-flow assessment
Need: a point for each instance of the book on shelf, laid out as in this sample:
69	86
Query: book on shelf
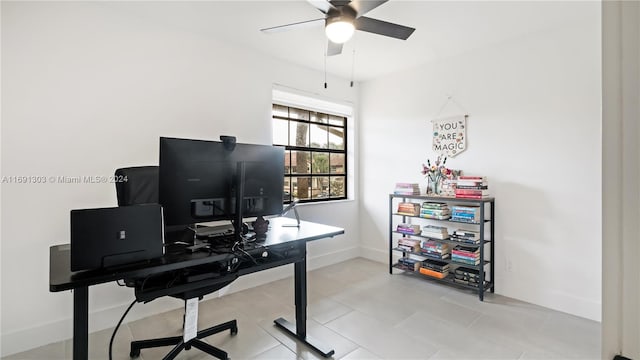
436	217
473	187
465	208
437	232
468	234
444	211
432	273
435	250
472	177
435	246
405	248
468	272
471	183
434	205
407	189
435	229
409	263
465	213
435	255
465	261
465	282
470	259
436	265
469	278
480	192
441	214
408	208
474	197
467	275
409	229
466	251
412	245
464	240
465	220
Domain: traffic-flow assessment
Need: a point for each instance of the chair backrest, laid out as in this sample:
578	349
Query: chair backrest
137	185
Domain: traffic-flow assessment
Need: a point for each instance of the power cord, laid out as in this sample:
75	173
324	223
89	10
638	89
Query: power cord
113	336
236	248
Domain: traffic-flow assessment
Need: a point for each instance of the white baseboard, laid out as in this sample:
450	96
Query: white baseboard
378	255
26	339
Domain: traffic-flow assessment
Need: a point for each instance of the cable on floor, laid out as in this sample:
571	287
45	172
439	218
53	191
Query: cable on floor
113	336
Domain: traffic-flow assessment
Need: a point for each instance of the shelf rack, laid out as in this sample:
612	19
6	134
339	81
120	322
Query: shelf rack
487	279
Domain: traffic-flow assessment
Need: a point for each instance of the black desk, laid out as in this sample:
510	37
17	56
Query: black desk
61	278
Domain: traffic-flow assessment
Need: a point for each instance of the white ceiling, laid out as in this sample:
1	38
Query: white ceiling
443	29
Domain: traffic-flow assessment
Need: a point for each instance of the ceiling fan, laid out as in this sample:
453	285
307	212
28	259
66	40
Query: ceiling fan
343	17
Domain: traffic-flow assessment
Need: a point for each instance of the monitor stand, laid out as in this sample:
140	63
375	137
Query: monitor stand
197	245
239	218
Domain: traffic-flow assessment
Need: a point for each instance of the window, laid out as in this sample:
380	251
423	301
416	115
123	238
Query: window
315	159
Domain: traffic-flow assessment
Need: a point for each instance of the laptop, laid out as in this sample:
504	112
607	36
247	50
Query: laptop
111	237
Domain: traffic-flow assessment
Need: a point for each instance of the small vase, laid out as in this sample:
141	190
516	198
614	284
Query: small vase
434	186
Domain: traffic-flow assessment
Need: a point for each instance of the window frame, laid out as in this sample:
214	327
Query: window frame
290	148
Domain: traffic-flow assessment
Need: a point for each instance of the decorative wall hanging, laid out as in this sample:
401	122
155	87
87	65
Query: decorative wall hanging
450	135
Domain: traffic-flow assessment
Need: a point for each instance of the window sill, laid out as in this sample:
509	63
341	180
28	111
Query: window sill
325	202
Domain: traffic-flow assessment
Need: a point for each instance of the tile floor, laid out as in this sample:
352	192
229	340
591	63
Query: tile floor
364	313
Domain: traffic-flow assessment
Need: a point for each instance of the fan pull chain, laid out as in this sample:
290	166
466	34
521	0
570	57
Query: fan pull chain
353	64
325	69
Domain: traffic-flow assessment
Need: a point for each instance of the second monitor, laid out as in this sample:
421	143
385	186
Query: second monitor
201	180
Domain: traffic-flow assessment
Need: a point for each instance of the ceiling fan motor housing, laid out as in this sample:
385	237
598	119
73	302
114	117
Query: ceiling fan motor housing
342	14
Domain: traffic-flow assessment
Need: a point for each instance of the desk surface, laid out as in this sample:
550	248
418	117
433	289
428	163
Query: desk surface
62	278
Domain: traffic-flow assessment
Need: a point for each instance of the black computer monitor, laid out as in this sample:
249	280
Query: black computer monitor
199	180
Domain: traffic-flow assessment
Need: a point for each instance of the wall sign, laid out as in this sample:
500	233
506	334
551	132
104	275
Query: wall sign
450	135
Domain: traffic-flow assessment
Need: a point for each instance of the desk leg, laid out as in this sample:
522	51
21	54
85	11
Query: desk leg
299	329
81	323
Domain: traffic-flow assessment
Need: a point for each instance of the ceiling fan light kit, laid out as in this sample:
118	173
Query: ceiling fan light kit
339	24
339	30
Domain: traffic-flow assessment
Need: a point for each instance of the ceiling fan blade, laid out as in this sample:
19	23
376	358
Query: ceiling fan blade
333	48
298	25
364	6
323	5
383	28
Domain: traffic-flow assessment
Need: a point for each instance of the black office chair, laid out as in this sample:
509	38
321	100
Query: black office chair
139	185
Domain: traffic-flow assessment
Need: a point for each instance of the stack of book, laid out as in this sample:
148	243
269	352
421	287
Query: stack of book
409	264
408	229
466	255
407	244
435	268
467	276
435	250
448	187
436	232
435	210
407	189
466	236
407	208
472	187
465	213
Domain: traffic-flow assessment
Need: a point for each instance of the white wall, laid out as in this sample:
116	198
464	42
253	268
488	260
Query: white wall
87	88
621	175
534	130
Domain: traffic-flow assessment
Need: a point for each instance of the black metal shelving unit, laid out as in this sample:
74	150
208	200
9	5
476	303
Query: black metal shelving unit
487	278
